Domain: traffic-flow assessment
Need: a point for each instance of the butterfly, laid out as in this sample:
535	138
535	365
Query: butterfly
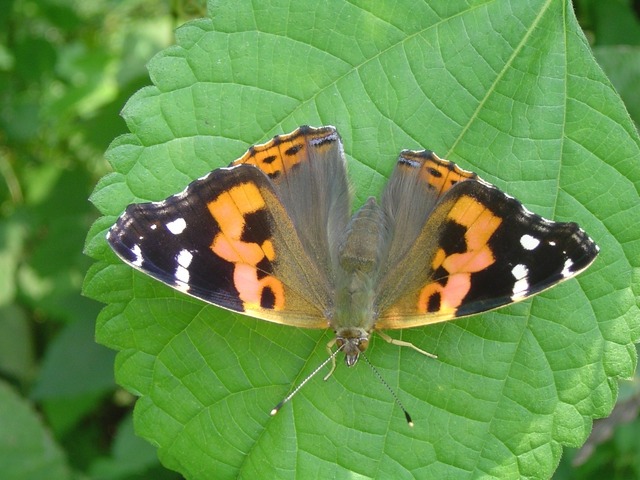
273	236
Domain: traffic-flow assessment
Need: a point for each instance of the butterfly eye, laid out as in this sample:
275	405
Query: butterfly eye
340	342
363	344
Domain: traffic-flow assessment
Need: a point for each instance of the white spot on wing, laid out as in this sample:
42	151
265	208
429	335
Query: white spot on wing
137	262
528	242
182	287
566	271
519	271
521	285
177	226
183	260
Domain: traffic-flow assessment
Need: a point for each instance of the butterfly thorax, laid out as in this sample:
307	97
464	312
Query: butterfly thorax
359	254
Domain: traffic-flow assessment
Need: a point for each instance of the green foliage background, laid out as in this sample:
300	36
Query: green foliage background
66	69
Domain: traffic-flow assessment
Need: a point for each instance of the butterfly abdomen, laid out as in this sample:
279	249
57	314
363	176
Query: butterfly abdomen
362	244
360	252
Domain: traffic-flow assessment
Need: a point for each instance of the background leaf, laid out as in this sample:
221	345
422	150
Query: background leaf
508	89
66	69
27	449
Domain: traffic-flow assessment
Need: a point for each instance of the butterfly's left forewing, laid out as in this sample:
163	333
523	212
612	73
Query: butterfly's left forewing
228	240
255	237
478	250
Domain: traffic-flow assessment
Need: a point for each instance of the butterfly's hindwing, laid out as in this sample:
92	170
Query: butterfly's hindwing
418	181
308	171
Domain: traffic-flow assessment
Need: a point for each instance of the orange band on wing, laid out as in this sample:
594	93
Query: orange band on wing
284	152
446	294
229	209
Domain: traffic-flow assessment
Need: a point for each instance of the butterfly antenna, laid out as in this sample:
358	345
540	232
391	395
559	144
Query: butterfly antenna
393	393
311	375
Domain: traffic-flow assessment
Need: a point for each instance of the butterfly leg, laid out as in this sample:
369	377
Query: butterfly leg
333	359
401	343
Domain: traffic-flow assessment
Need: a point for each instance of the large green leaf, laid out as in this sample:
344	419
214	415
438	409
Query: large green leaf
508	89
